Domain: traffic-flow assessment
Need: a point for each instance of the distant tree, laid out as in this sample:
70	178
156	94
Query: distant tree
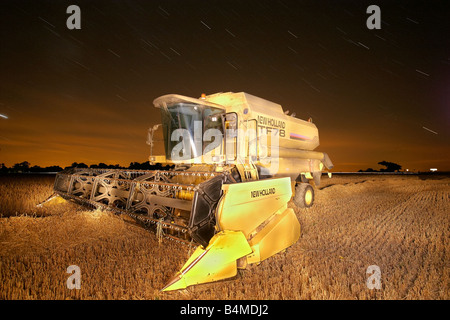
79	165
146	166
367	170
390	166
36	169
102	165
53	169
134	165
22	167
158	166
3	168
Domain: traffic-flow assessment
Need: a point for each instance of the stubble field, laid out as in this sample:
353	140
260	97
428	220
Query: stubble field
399	223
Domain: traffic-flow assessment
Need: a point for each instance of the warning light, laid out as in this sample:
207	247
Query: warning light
203	96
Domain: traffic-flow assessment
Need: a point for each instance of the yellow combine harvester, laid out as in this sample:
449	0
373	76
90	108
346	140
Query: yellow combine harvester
236	161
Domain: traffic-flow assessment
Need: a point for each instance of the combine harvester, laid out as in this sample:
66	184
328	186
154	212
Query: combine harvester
236	160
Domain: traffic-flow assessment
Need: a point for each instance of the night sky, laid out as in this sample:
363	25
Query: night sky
86	95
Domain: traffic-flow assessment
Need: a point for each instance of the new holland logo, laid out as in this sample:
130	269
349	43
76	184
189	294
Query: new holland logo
263	192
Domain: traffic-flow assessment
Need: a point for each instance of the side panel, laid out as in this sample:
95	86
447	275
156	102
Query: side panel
246	205
281	232
291	167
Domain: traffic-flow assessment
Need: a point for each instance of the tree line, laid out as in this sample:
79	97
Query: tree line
389	167
25	167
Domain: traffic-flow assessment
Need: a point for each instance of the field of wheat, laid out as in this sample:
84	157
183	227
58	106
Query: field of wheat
399	223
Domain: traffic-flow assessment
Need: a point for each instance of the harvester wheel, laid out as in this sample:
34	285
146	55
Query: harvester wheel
304	195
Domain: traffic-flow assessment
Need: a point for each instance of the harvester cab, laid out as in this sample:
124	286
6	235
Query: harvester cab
236	161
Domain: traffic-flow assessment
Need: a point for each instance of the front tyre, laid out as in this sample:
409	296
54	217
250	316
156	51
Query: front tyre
304	195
